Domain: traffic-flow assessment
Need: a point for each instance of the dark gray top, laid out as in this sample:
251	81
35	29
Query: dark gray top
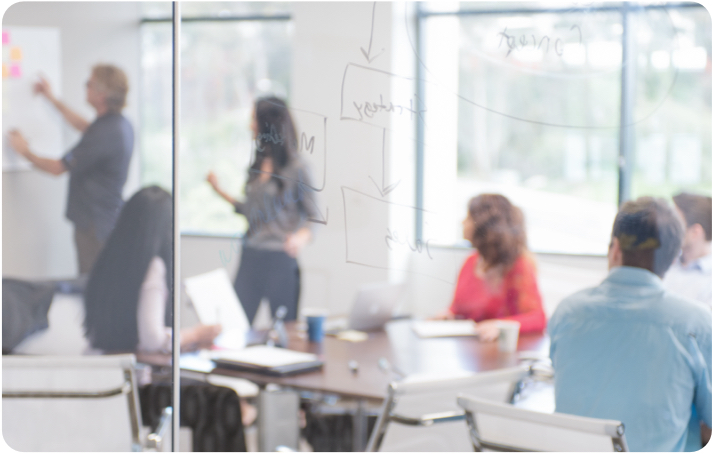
98	166
25	306
273	214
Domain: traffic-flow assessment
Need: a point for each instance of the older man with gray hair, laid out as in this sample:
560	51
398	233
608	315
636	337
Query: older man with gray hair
97	165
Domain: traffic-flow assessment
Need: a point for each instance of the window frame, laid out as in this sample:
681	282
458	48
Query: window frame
222	18
625	132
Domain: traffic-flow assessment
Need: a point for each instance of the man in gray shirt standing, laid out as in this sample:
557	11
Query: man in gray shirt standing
97	165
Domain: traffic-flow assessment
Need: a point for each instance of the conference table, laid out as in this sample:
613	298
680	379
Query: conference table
362	370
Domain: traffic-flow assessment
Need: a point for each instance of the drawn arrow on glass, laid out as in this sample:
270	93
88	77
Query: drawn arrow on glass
368	56
303	190
322	219
383	189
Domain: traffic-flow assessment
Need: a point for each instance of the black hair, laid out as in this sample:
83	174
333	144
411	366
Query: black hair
143	231
650	234
276	137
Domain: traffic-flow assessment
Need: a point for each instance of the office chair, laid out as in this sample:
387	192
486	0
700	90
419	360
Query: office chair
426	412
498	426
75	403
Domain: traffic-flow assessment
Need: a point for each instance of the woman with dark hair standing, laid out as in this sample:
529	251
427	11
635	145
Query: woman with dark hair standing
498	281
279	202
130	285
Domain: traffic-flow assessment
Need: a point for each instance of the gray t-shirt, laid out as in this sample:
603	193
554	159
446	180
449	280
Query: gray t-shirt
98	166
273	213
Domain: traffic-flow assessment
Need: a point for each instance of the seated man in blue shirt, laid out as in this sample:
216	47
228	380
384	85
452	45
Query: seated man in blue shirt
628	349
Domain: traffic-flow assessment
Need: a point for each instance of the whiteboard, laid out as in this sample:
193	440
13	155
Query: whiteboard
28	52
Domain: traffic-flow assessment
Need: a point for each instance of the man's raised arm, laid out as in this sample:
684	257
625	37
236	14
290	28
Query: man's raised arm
77	121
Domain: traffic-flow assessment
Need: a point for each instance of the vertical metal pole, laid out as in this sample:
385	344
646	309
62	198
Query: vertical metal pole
626	158
176	226
420	124
359	423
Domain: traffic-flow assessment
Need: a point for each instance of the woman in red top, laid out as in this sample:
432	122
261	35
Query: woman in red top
498	281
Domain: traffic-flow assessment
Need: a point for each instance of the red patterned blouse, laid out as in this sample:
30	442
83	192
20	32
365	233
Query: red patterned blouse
517	298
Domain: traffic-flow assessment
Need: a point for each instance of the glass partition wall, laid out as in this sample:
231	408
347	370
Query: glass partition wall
402	112
87	256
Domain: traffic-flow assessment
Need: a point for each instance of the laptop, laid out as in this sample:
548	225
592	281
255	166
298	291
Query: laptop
372	308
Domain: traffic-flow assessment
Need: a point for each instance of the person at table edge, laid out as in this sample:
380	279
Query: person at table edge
498	281
691	273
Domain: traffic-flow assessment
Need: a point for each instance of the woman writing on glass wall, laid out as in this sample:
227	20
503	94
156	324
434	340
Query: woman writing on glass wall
278	205
130	286
498	281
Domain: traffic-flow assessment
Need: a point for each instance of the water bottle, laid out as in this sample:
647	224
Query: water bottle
278	333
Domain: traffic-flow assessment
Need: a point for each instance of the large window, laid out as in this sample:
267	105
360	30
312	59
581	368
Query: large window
529	102
231	53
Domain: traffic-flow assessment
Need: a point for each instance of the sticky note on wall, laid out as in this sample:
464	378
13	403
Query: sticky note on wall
5	72
6	37
15	71
16	54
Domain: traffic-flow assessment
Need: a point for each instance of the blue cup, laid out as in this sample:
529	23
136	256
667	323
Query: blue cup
315	327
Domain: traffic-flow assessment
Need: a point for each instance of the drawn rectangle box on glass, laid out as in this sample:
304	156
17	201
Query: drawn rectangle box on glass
375	226
366	96
311	130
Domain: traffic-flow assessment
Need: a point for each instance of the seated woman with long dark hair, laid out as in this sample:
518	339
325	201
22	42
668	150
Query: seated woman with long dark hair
498	281
130	285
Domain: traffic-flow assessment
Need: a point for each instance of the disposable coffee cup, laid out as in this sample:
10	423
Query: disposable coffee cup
315	324
508	335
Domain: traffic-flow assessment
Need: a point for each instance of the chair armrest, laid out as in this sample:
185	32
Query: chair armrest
125	388
156	441
429	419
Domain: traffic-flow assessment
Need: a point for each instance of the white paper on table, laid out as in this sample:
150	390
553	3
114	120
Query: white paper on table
196	361
265	356
215	302
444	328
231	339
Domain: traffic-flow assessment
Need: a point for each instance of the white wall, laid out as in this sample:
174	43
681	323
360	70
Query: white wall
558	277
37	240
327	37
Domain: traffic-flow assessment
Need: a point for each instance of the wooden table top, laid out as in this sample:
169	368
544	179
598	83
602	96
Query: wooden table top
399	345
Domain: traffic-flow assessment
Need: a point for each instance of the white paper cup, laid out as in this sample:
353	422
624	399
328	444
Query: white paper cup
508	335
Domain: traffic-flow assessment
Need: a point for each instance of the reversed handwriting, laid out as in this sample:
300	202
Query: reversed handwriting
369	109
395	238
516	44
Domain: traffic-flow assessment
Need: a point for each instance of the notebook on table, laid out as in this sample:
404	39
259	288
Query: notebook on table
444	328
267	360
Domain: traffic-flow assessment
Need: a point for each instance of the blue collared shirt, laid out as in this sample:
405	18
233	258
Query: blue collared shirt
631	351
692	280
